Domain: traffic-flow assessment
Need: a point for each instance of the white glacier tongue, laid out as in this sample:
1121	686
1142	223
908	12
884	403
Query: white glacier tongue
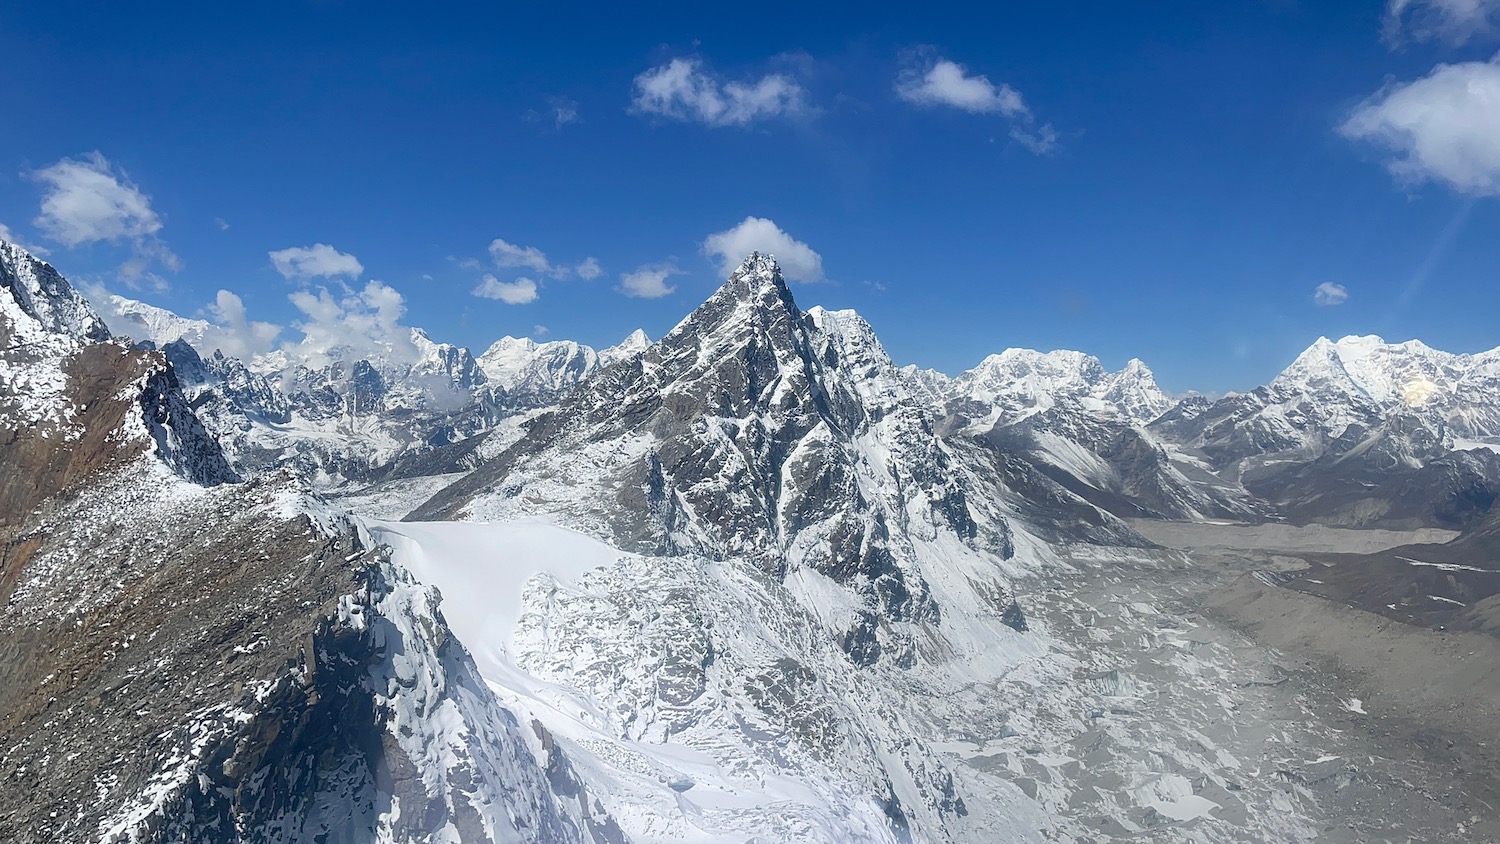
699	700
481	570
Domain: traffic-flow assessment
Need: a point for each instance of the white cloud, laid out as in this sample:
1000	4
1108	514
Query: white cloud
1452	21
508	254
931	81
519	292
1329	293
234	334
589	269
945	82
682	90
1444	127
222	224
564	111
539	331
560	112
649	281
300	263
797	260
1039	140
88	200
358	325
84	200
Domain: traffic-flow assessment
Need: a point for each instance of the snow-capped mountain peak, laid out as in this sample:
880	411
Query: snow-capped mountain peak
1367	367
1019	382
635	343
513	363
41	302
141	321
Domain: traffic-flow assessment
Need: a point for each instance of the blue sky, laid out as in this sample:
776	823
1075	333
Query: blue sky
1172	182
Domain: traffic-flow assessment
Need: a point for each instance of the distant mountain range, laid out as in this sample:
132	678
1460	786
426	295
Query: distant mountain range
756	581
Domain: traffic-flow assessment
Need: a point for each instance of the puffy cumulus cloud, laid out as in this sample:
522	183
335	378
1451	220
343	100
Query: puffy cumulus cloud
233	333
929	80
86	199
519	292
797	260
89	200
303	263
682	90
589	269
222	326
1329	293
939	81
1444	127
1453	21
507	254
649	281
354	325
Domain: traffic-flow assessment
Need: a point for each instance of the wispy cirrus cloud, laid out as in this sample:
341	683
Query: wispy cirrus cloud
929	80
1455	22
9	236
683	90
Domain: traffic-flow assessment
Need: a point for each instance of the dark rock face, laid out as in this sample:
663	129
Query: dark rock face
1138	477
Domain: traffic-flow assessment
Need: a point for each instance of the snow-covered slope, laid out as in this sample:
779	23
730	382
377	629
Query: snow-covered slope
743	584
752	592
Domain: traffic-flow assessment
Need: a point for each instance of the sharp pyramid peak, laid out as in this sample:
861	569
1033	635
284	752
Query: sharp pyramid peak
758	273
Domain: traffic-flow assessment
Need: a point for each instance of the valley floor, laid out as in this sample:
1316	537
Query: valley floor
1402	715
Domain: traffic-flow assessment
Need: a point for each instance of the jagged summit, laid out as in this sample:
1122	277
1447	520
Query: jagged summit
757	280
40	301
759	268
1023	381
635	343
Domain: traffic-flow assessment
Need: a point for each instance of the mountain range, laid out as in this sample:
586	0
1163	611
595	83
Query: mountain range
749	582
